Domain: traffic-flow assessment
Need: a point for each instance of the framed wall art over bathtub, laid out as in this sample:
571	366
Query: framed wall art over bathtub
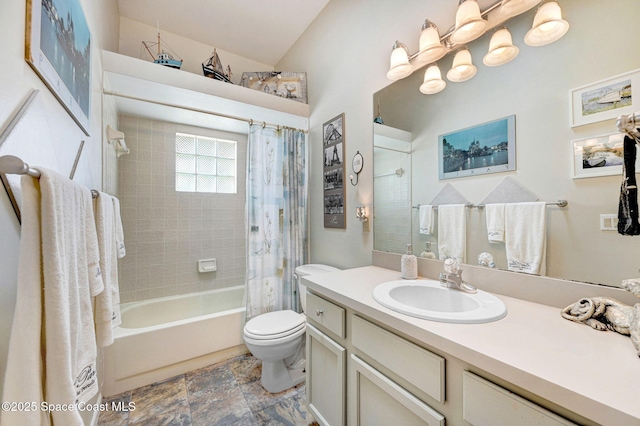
333	170
58	48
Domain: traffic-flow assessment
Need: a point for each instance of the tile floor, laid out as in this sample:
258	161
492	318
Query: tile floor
227	393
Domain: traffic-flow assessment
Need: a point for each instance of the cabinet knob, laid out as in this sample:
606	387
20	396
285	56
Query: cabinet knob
319	312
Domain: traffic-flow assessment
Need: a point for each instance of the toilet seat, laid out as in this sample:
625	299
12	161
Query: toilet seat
274	325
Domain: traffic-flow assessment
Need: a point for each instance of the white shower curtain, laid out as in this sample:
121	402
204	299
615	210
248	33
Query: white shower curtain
276	218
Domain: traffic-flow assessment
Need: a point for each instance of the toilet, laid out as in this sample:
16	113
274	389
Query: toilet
277	339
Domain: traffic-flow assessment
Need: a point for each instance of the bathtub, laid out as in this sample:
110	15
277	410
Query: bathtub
161	338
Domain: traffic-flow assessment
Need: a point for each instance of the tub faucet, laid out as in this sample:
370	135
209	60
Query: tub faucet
452	277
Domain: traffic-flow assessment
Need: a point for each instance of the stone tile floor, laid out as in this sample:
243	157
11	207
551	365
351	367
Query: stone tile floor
227	393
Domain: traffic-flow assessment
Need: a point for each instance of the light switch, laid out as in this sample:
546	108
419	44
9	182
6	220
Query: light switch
608	222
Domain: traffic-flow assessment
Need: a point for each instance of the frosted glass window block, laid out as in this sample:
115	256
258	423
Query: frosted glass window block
206	183
185	182
226	149
206	146
226	185
206	165
185	163
226	167
185	144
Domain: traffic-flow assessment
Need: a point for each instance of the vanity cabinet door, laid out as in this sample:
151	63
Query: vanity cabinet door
377	400
485	403
326	378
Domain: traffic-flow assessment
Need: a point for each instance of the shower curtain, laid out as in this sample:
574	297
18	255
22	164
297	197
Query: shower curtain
276	218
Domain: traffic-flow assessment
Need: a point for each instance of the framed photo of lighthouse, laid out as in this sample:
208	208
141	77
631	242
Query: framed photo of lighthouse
605	99
333	141
478	150
58	48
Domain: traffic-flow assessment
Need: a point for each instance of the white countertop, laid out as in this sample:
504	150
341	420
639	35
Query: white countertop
592	373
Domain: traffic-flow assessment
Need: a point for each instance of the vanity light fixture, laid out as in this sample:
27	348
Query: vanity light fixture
548	25
433	82
469	23
399	64
462	68
361	214
431	48
501	49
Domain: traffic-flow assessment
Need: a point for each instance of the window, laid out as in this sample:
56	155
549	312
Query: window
205	164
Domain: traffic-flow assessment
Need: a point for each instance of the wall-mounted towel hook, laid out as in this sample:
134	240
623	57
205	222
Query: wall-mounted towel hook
356	164
121	145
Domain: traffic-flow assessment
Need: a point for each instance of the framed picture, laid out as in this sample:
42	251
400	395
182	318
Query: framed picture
289	85
58	48
333	168
599	156
605	99
478	150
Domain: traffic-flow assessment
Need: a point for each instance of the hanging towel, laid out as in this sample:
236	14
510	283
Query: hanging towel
23	380
71	278
495	222
426	219
628	204
525	237
119	232
452	231
107	316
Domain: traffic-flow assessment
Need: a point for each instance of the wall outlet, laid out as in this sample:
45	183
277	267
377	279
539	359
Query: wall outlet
608	222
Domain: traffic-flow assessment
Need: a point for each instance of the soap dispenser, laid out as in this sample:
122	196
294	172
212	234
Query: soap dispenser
409	265
427	253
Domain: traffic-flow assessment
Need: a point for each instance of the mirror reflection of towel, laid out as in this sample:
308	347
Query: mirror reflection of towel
426	219
495	222
452	232
525	237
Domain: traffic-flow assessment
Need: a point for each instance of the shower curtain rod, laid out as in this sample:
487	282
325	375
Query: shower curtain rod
217	114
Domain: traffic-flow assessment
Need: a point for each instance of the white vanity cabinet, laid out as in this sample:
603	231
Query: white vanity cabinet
362	372
326	362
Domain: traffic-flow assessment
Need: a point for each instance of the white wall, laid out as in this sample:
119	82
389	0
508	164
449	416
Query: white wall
57	130
345	54
193	53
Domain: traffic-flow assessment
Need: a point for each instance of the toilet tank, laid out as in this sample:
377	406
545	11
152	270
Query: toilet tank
309	269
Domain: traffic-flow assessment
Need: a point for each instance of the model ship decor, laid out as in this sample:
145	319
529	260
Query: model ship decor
162	57
213	68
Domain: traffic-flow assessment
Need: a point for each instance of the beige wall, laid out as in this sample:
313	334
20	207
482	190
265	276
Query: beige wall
53	127
345	53
166	231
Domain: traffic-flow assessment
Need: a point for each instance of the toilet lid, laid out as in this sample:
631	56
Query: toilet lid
273	325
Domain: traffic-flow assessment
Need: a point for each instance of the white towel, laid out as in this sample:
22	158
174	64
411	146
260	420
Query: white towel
107	315
452	232
71	278
119	232
426	219
23	380
525	237
495	222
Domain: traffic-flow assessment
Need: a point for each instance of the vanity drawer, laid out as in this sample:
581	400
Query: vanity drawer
327	314
412	363
485	403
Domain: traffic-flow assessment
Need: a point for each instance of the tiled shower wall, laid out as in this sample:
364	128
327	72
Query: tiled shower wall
167	232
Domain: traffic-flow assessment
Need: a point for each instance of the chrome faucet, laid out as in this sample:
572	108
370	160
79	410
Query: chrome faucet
452	277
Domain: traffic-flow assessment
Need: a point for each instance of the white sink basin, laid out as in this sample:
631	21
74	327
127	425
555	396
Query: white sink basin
426	299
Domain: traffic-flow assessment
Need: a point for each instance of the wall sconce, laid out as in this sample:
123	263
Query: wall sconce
471	23
361	214
120	144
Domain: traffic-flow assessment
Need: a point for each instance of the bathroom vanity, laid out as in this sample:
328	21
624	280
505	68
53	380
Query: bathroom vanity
367	364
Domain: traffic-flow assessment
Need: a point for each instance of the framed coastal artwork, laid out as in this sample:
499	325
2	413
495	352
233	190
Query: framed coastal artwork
599	156
333	140
605	99
288	85
485	148
58	48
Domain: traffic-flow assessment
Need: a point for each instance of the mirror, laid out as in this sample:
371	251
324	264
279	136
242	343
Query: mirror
536	88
